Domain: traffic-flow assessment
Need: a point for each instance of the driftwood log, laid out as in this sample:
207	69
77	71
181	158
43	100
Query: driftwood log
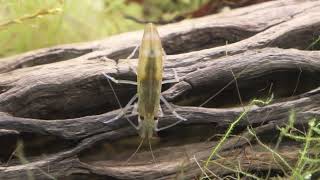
54	100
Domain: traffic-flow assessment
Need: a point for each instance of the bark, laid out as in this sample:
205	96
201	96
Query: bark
54	100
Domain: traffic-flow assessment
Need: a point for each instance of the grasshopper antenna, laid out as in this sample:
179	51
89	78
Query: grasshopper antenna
153	157
135	152
150	147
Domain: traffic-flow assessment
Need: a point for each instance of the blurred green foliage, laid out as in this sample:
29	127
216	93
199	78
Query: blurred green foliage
32	24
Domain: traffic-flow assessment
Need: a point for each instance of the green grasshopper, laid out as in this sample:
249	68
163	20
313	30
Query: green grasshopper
149	82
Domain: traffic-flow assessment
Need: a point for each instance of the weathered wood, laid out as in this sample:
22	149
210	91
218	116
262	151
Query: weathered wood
55	99
211	31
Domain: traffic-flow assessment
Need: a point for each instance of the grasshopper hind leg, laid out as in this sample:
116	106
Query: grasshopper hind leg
160	113
119	81
123	111
181	119
166	127
172	109
175	80
135	109
126	108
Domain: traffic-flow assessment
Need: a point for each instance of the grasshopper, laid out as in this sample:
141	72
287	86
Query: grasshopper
149	82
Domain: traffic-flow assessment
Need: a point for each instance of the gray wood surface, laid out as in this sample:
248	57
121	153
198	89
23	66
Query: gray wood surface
55	99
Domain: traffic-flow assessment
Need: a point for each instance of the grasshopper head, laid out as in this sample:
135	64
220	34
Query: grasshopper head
146	128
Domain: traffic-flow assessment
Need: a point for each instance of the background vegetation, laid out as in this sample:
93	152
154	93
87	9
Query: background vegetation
32	24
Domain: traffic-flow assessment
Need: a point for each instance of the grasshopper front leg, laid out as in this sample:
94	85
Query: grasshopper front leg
130	56
125	81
